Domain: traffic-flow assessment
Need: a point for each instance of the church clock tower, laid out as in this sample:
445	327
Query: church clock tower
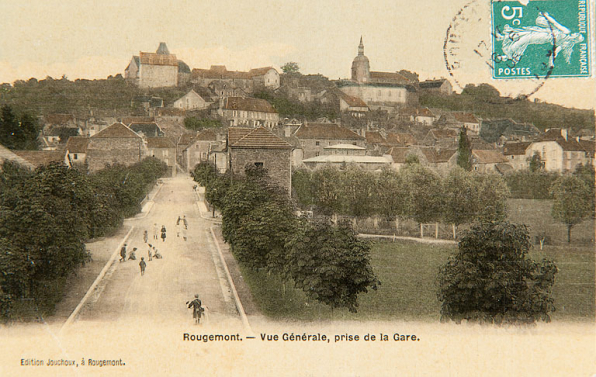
360	66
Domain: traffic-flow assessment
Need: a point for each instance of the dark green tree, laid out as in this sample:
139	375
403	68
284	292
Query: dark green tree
491	280
290	67
425	196
464	150
535	163
11	134
330	264
461	200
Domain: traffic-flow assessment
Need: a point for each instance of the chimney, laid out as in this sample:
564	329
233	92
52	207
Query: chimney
564	133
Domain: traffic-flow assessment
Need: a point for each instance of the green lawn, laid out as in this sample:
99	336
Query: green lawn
408	292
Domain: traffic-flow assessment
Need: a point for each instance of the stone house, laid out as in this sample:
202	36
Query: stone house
458	120
191	101
255	79
224	89
76	151
260	147
442	138
199	149
418	115
516	156
117	144
164	149
489	161
354	106
314	137
559	155
440	86
153	70
252	112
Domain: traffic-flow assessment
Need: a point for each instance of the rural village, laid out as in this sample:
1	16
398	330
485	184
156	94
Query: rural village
352	149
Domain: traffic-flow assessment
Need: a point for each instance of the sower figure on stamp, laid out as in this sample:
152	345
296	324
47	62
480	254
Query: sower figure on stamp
142	264
197	308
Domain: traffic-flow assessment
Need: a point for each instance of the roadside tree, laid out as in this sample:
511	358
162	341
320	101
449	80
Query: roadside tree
572	201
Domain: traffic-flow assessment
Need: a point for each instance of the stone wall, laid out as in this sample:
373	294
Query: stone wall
156	76
276	161
102	151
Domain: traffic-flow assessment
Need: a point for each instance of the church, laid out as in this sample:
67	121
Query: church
386	91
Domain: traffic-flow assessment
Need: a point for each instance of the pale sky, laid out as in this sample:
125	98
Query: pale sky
85	39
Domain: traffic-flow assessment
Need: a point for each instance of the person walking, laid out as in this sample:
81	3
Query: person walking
123	254
197	308
145	236
142	264
150	255
185	222
163	233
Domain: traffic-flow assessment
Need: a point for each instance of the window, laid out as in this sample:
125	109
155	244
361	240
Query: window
75	156
354	143
317	143
317	154
259	164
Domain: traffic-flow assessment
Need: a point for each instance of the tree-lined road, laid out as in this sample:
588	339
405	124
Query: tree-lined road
187	267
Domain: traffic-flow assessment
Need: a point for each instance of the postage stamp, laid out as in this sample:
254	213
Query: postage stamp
540	39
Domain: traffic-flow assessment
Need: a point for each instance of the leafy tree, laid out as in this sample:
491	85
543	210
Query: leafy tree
586	174
290	67
391	196
425	199
464	150
460	194
492	193
491	280
14	277
525	184
481	92
572	201
536	163
194	123
204	173
356	192
326	189
302	187
331	265
412	159
11	134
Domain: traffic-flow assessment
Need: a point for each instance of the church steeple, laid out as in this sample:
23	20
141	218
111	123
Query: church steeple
361	47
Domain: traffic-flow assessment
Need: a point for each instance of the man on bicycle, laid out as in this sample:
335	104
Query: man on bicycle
197	308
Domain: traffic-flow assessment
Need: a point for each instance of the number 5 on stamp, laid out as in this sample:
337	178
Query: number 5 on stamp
542	39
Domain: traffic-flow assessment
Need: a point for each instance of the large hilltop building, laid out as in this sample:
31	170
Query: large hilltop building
253	80
379	90
157	69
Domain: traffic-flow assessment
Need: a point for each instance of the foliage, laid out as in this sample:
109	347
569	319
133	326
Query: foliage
464	150
326	184
18	132
493	193
461	199
331	265
491	280
290	67
586	174
302	187
425	197
356	192
290	108
195	124
573	201
204	173
526	184
536	163
412	159
391	195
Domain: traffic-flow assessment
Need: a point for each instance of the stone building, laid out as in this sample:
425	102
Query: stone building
164	150
253	80
260	147
199	149
379	90
117	144
314	137
76	151
191	101
158	69
252	112
440	86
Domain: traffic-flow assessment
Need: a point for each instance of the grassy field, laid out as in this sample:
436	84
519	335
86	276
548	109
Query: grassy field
408	292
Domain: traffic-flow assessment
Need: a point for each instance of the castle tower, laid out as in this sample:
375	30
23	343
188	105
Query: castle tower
360	66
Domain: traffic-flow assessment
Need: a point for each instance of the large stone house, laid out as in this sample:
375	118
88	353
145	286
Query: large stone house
314	137
379	90
516	156
253	80
558	152
117	144
199	149
192	101
252	112
164	149
260	147
154	70
439	86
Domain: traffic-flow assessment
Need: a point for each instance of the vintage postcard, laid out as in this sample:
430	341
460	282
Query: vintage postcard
297	188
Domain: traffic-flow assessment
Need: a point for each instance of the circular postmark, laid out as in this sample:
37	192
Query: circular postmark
482	49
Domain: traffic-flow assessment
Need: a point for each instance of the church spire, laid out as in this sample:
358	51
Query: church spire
361	47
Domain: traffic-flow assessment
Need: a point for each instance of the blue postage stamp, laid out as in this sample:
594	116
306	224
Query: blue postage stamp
542	39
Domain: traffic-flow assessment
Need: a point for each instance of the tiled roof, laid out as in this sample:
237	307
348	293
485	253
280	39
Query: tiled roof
183	67
116	130
488	157
77	144
248	104
515	149
219	72
465	117
38	158
401	139
351	100
259	71
261	138
148	129
326	131
431	84
399	154
570	145
389	76
129	120
151	58
207	135
374	137
443	133
7	154
59	118
435	156
588	146
425	112
552	134
187	139
160	142
237	133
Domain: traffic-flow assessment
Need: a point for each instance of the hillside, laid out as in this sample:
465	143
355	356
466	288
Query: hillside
542	115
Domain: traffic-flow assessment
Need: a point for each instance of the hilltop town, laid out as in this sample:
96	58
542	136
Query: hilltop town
161	107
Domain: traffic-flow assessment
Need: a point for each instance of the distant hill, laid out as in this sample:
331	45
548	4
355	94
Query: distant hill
491	105
79	96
